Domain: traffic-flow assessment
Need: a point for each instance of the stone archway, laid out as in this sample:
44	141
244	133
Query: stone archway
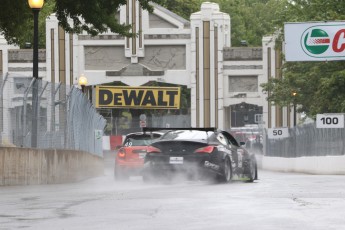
244	114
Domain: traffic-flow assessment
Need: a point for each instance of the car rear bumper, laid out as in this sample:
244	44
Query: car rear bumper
129	164
189	164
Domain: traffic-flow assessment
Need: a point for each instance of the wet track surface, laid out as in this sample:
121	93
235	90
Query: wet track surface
275	201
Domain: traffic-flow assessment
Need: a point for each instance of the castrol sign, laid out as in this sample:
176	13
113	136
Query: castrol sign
317	41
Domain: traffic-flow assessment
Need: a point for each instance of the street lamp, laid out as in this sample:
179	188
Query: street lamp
82	82
294	94
36	6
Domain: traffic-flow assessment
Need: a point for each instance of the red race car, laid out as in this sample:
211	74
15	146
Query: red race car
129	159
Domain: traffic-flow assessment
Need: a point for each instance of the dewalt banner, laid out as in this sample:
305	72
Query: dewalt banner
140	97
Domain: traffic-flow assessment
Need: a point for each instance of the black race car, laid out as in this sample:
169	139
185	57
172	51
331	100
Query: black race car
198	152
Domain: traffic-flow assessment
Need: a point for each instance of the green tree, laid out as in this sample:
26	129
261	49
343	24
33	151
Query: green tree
251	19
16	21
182	8
319	85
92	16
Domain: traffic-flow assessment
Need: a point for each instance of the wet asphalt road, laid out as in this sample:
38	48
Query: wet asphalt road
276	201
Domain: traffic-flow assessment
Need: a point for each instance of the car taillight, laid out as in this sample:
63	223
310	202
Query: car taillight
207	149
121	153
151	149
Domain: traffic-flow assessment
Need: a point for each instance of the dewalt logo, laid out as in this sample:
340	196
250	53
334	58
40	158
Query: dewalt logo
138	97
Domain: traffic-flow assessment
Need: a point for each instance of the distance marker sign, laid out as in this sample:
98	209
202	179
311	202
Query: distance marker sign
277	133
330	121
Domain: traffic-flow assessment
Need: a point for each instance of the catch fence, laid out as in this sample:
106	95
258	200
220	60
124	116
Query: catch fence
119	125
307	140
66	118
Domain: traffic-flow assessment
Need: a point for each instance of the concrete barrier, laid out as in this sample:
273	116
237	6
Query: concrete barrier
331	165
25	166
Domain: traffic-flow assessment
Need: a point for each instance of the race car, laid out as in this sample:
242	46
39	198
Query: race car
198	152
130	156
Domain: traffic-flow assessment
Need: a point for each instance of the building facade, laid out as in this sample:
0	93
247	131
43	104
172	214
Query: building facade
224	81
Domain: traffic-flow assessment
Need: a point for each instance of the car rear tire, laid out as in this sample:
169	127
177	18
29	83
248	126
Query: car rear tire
253	171
226	174
148	175
147	178
152	174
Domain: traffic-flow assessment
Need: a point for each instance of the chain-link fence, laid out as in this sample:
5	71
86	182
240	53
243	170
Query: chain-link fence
120	125
307	140
65	117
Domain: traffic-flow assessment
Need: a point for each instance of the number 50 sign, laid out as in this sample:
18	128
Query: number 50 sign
330	121
277	133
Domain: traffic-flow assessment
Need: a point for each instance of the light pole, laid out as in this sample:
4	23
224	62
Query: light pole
82	82
36	6
294	94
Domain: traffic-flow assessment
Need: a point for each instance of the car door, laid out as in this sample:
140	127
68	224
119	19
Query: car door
236	150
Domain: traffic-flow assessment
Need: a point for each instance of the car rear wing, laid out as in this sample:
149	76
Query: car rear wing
151	129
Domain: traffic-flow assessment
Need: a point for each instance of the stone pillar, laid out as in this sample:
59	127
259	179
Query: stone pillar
210	30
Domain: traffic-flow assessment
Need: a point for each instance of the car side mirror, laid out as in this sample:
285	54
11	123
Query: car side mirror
242	143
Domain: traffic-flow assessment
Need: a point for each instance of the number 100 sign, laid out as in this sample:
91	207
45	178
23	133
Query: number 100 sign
330	121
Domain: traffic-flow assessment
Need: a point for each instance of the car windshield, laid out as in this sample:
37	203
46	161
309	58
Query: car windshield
188	134
139	140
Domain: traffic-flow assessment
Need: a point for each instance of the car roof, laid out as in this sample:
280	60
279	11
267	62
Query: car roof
188	134
143	133
150	129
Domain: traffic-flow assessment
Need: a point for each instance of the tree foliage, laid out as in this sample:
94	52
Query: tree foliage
252	19
92	16
16	21
319	85
182	8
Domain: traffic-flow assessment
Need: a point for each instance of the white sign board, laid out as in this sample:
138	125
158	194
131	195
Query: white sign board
98	134
315	41
330	121
276	133
142	117
142	124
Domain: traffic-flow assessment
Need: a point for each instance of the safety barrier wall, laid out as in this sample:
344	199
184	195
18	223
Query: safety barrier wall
308	149
327	165
26	166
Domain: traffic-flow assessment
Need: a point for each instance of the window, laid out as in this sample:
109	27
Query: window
222	139
140	140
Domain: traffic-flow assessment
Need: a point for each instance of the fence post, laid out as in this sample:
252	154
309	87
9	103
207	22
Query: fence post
24	131
1	107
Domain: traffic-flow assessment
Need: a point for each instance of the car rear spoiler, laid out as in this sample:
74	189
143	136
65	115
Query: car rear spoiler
151	129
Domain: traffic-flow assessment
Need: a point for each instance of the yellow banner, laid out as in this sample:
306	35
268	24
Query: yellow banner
140	97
